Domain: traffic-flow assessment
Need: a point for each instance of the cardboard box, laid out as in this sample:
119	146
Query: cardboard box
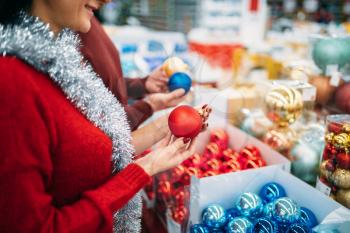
225	189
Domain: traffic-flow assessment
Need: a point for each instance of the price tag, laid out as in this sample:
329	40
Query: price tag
330	69
323	188
309	94
335	79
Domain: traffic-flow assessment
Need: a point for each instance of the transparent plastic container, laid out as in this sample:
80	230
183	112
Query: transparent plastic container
334	176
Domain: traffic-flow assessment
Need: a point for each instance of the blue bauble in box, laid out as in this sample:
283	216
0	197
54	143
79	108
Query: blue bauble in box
214	216
232	213
271	191
216	230
307	217
249	205
268	210
299	228
199	228
179	80
286	211
239	225
265	225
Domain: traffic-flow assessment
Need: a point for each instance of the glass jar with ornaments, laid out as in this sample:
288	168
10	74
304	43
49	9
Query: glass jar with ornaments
334	177
283	106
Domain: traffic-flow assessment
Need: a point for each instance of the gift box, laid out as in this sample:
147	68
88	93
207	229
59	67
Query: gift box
168	199
226	188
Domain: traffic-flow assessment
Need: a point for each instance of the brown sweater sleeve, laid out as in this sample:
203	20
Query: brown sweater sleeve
100	52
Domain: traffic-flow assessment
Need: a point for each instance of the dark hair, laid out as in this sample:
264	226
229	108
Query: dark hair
9	10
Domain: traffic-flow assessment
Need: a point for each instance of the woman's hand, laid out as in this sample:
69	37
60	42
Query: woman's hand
167	155
157	81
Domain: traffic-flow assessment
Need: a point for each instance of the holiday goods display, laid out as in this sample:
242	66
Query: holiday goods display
269	212
173	65
179	80
335	164
217	158
185	121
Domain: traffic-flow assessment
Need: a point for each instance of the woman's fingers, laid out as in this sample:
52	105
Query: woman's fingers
166	140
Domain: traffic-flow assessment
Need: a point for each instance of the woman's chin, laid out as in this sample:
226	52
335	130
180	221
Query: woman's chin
84	27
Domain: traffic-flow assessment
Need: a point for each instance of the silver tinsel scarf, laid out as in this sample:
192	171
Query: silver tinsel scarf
32	41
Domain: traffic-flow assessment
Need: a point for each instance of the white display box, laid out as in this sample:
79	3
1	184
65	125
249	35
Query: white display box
225	189
237	140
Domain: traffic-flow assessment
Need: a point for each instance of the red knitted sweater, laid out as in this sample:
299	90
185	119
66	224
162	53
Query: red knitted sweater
55	166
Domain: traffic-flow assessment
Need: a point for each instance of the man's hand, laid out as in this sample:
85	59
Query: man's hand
159	101
157	81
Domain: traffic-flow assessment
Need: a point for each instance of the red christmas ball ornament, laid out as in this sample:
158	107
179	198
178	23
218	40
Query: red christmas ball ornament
210	173
330	166
213	164
211	151
253	164
164	190
254	150
180	214
247	154
342	97
220	137
181	196
190	171
334	127
230	166
343	160
177	173
228	155
192	161
185	121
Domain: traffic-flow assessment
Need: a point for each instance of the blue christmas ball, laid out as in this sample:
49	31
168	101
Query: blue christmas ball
268	210
214	216
179	80
299	228
216	230
272	191
265	225
232	213
286	211
249	205
199	228
307	217
239	225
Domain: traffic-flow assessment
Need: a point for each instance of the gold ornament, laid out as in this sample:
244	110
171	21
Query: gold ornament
323	170
329	137
346	128
342	140
343	197
341	178
284	105
173	65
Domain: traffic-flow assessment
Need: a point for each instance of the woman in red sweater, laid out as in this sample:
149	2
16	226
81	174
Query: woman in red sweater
66	147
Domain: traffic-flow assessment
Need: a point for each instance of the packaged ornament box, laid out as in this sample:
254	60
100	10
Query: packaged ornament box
233	190
239	151
334	176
